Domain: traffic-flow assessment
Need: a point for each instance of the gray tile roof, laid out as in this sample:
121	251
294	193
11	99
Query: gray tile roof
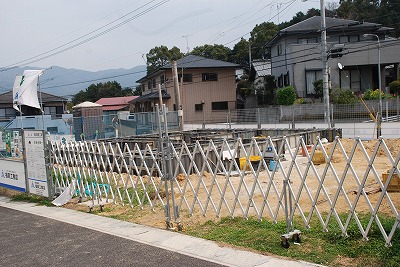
8	98
151	96
313	24
332	24
262	67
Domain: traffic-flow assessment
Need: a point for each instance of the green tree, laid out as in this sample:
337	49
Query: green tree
358	10
160	56
244	87
240	53
215	51
138	90
259	37
286	96
96	91
343	96
127	91
395	87
318	88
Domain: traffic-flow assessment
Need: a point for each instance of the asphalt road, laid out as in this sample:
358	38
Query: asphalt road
31	240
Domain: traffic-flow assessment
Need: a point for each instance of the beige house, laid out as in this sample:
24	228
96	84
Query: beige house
205	85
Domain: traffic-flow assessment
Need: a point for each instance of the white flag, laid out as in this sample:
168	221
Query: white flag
27	92
15	92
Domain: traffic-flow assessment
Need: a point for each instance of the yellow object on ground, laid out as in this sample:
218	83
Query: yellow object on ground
394	185
318	157
255	160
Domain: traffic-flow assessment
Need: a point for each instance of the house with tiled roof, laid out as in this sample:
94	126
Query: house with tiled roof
352	55
115	103
52	105
205	85
113	107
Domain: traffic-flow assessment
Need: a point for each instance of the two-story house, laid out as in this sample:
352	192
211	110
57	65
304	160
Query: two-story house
296	55
52	105
205	85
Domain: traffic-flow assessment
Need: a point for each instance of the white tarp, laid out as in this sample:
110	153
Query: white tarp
15	91
27	85
65	196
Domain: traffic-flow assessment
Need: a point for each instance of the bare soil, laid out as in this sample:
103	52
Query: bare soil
346	198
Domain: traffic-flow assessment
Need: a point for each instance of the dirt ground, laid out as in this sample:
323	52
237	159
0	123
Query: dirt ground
217	208
345	198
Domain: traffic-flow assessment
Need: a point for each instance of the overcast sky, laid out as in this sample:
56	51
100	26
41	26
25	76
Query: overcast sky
105	34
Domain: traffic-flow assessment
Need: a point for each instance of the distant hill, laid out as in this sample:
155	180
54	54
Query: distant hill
67	82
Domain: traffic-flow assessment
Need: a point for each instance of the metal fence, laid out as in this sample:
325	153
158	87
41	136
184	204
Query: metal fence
330	182
358	112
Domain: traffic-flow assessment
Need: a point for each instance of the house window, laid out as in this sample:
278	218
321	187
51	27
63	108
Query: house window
279	49
286	80
280	81
311	77
209	77
350	79
50	110
219	105
149	84
187	78
162	79
198	107
52	130
154	83
349	39
309	40
354	38
343	39
7	112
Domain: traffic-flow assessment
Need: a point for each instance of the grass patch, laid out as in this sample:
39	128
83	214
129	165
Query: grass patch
25	197
327	248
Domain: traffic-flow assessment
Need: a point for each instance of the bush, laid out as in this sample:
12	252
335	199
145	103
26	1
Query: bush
374	94
343	96
395	87
286	96
319	88
300	101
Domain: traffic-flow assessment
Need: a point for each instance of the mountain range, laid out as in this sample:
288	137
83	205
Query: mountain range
64	82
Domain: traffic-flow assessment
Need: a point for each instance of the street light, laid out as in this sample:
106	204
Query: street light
379	130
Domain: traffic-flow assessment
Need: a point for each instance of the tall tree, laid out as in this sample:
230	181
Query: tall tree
240	53
215	51
161	55
358	9
259	37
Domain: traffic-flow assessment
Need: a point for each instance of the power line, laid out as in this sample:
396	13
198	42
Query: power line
70	45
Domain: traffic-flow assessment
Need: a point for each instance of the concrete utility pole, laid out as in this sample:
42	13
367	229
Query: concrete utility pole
325	77
177	94
379	117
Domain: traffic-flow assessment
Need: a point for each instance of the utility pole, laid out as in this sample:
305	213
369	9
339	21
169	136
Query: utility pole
249	56
177	94
325	77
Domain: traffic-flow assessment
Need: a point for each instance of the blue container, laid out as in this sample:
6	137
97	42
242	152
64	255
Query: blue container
272	164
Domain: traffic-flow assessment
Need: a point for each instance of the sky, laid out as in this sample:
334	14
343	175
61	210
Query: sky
96	35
